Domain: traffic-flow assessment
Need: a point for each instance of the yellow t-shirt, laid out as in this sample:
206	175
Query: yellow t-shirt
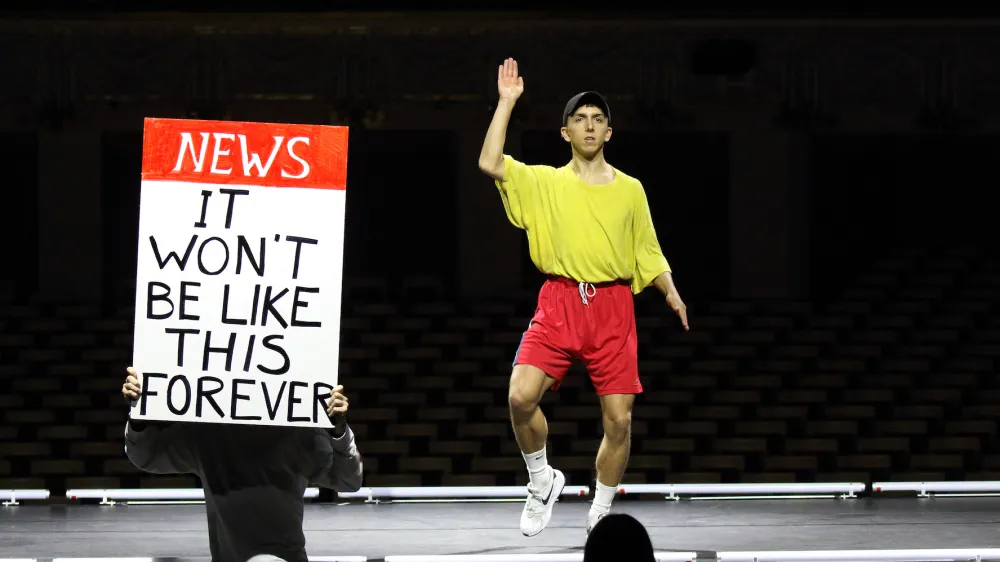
582	231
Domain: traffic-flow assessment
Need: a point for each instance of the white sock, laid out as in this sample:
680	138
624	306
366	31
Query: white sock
603	497
538	466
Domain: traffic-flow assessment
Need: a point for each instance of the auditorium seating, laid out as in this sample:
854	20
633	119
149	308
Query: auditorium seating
893	381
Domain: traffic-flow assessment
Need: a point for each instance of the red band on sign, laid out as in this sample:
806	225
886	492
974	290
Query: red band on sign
245	153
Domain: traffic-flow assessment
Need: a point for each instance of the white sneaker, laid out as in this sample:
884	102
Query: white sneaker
538	507
593	517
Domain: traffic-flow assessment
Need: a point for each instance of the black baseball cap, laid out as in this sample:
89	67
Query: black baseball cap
585	98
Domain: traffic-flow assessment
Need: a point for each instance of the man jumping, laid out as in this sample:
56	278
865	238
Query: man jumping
590	231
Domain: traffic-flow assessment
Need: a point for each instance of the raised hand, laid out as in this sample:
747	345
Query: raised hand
509	84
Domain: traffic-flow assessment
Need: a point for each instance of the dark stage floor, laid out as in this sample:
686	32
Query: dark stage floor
375	531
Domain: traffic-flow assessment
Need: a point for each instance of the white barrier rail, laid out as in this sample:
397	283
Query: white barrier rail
741	491
454	493
103	559
151	495
568	557
915	555
512	493
92	559
927	489
14	497
887	555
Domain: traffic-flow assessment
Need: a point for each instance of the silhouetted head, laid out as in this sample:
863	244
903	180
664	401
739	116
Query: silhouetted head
618	537
265	558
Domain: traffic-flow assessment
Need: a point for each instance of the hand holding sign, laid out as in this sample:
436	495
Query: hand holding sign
131	389
240	263
337	404
337	410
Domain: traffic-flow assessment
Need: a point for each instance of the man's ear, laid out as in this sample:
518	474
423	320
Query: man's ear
564	134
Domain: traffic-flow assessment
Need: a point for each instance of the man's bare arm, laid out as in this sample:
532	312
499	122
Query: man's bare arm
664	283
510	86
491	157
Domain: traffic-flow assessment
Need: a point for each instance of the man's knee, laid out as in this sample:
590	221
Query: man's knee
617	425
617	411
527	385
520	401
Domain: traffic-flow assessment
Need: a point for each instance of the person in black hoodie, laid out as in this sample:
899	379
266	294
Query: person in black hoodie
254	477
619	537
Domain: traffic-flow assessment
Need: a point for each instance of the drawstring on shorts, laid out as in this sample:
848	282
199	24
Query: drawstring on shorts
585	292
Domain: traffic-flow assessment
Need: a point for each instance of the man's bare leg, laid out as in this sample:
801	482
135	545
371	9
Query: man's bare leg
527	386
612	457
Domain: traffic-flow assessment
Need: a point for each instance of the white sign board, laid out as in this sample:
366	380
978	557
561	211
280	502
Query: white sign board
240	263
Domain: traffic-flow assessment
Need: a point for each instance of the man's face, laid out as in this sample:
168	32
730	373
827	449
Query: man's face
587	130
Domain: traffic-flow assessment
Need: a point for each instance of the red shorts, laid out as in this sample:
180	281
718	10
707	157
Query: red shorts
592	323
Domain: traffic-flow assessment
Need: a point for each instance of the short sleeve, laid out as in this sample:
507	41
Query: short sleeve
649	259
519	191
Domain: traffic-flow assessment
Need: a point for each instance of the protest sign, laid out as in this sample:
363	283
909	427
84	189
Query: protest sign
239	276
